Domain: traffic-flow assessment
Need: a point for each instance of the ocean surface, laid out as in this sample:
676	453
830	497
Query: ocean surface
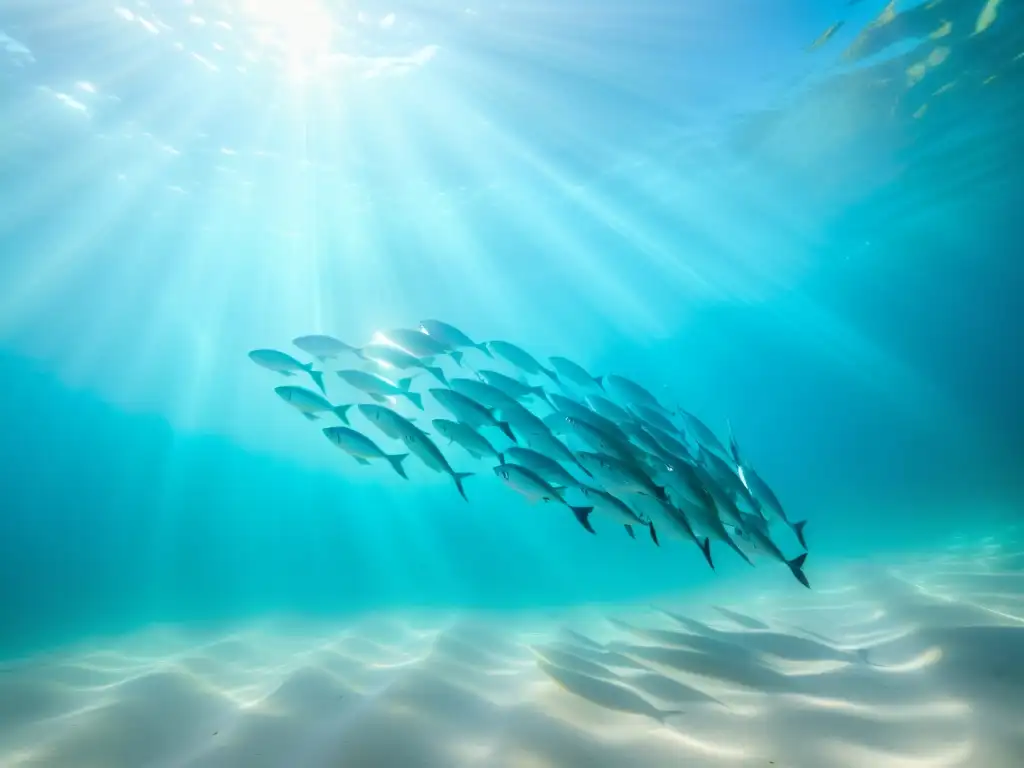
808	235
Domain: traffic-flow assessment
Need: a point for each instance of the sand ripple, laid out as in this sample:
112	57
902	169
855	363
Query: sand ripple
917	666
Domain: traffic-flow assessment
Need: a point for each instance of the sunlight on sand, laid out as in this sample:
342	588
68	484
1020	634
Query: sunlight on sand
916	667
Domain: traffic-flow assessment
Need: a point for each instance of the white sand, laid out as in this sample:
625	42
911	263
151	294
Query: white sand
917	666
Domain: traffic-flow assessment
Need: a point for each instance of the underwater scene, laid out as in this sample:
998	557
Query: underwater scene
486	384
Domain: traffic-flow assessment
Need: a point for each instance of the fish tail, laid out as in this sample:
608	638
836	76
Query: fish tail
539	392
706	549
550	374
796	565
505	427
341	411
317	377
437	373
599	380
456	356
654	534
629	530
798	529
458	477
583	515
415	398
482	346
404	384
396	462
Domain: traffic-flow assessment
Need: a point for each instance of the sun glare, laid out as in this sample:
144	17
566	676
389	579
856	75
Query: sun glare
301	31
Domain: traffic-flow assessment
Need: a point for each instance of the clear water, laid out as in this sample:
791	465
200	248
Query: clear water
821	247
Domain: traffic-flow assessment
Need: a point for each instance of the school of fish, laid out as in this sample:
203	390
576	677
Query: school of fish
634	461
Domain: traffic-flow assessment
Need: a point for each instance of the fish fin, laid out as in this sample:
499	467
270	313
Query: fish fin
505	427
404	384
798	529
559	492
396	462
550	374
482	346
415	398
358	352
583	515
664	715
378	398
318	378
456	356
654	534
501	458
706	549
539	392
629	530
599	380
361	460
437	373
796	565
341	411
458	477
660	493
310	416
286	373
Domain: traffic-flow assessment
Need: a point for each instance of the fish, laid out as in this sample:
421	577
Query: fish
668	442
621	475
397	357
727	477
397	426
599	440
702	433
362	448
543	465
577	374
323	348
764	543
629	390
483	393
452	336
643	439
761	491
380	388
420	344
475	444
310	404
653	417
677	523
704	517
617	510
514	389
286	365
538	435
520	358
470	412
570	407
612	411
535	488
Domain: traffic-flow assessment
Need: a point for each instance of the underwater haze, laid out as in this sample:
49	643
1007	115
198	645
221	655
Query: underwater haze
797	223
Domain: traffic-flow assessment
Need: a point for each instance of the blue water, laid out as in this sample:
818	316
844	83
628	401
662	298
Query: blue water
677	192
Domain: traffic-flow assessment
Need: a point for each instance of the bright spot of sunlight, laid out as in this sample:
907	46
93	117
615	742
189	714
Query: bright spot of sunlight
300	30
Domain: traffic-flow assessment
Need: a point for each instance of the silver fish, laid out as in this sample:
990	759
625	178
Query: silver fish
618	475
469	411
397	426
482	392
600	440
452	336
286	365
323	347
514	389
475	444
420	344
653	417
617	510
574	372
570	407
397	357
630	391
535	488
520	358
609	410
380	388
310	404
543	465
702	434
362	448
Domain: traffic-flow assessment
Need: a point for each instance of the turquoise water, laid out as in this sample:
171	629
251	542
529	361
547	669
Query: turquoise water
821	247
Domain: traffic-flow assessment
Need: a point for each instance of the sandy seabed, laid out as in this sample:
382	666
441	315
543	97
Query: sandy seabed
915	665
